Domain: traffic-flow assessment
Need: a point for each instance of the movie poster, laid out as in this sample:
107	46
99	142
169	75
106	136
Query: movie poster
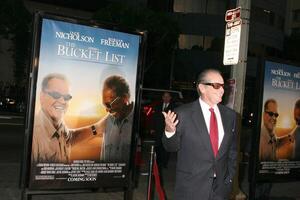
279	143
84	106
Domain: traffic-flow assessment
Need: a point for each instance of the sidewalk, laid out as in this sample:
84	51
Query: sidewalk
10	159
10	170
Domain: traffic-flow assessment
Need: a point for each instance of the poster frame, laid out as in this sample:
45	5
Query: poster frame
254	175
33	75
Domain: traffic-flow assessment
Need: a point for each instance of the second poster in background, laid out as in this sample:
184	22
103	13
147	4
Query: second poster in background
83	106
279	143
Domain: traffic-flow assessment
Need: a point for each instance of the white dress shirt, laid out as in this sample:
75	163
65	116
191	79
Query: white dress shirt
206	113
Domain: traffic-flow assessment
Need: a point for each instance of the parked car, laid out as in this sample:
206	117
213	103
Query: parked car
8	104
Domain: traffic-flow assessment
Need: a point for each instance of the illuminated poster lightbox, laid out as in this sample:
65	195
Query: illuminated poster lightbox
83	105
279	140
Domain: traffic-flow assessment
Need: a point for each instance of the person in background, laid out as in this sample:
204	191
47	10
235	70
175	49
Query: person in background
119	122
267	146
159	128
269	141
52	139
296	131
203	133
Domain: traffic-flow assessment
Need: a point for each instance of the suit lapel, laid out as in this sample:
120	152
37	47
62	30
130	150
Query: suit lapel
199	121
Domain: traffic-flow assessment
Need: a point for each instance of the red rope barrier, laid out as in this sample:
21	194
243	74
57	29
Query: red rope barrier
159	189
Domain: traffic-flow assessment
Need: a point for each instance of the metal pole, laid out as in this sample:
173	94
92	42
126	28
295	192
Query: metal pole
150	173
172	69
238	72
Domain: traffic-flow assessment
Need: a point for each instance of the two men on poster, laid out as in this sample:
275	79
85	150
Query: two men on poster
52	139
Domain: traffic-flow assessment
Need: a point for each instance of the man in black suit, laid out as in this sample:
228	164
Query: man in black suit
204	135
159	128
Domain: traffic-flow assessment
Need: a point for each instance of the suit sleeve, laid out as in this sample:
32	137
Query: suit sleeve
232	160
172	144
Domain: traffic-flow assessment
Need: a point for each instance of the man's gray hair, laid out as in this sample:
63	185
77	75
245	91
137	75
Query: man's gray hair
52	76
267	103
118	84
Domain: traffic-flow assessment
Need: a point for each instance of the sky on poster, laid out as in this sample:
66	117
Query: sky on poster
86	55
282	83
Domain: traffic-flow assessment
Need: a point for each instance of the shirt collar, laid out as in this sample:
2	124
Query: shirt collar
204	105
129	117
51	130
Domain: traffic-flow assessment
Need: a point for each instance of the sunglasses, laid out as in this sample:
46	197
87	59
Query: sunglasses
271	114
57	95
215	85
110	105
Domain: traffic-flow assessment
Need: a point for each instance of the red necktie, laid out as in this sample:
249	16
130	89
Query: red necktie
213	131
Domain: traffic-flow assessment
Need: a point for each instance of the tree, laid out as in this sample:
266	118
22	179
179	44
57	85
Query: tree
291	47
15	23
162	37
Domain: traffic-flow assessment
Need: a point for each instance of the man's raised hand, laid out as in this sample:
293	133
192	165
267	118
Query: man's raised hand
170	121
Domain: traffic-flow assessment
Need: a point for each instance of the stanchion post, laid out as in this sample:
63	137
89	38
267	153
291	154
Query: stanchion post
128	193
25	195
150	173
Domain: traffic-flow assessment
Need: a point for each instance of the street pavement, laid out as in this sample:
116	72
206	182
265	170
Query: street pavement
11	148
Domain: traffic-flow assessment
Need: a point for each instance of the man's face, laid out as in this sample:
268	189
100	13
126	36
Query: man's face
114	104
166	97
212	94
55	99
297	115
270	116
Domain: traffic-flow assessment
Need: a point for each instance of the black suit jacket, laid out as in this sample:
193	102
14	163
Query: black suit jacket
196	164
